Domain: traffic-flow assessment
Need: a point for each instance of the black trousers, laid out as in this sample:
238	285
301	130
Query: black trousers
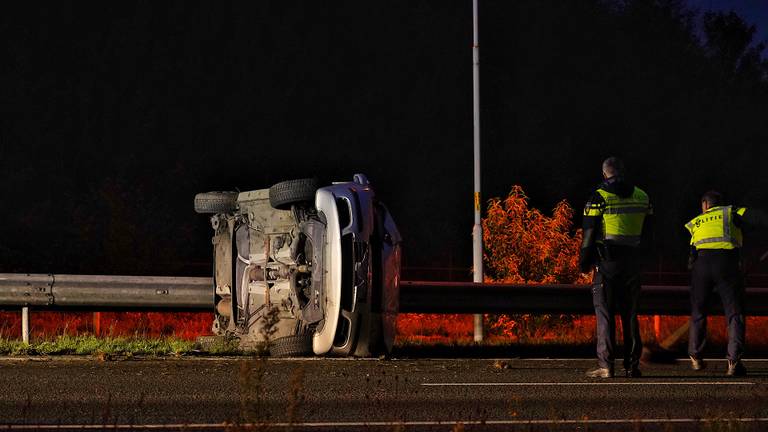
717	270
616	288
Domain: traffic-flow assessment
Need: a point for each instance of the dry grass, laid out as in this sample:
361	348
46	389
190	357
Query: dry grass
431	329
46	324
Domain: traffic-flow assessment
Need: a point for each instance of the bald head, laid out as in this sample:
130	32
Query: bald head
613	167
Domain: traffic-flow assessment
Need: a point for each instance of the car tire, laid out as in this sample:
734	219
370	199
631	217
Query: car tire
290	192
292	346
215	202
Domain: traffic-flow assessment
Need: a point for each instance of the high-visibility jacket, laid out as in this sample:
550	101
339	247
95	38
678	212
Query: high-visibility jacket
622	217
716	228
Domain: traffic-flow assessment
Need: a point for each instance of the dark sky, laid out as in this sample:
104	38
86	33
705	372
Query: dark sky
755	12
115	115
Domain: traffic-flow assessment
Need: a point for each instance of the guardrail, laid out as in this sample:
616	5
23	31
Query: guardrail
470	298
159	293
86	292
156	293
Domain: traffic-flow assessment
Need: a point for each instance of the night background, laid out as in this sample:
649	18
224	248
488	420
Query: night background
115	115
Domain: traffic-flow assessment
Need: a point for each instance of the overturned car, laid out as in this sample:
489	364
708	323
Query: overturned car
308	268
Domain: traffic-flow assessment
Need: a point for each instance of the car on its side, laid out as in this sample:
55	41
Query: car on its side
305	268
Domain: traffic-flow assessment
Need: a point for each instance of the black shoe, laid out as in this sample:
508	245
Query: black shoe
600	372
633	372
736	369
697	364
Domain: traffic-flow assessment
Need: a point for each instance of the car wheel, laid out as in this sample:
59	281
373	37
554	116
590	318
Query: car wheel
285	194
216	202
292	346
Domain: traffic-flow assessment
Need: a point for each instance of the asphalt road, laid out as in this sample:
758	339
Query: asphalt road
328	394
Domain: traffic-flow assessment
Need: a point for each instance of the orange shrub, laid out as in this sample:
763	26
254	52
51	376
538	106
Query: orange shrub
522	245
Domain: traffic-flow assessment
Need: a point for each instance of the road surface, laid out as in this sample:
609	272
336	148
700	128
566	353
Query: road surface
344	394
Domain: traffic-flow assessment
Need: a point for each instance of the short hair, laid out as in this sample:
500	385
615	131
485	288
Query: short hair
613	167
712	198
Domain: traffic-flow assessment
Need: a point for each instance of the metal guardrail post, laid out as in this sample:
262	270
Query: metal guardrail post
97	323
25	324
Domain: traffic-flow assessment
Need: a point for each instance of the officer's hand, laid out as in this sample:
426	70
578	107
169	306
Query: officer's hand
692	255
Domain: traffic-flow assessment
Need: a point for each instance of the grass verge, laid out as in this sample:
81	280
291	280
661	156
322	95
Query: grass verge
126	347
110	346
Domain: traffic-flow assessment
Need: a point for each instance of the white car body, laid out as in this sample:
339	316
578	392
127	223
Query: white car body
322	340
324	260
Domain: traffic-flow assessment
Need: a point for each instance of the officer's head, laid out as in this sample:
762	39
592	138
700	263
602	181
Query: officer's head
711	198
613	167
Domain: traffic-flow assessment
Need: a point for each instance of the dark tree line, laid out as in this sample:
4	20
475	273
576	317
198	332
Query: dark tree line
114	116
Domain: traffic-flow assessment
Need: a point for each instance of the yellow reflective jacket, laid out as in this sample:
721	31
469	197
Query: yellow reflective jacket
715	228
622	217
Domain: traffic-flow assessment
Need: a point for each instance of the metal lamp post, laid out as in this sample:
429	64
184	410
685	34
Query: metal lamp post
477	231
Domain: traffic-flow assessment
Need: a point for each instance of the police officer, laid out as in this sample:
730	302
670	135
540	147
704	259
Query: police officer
616	225
715	261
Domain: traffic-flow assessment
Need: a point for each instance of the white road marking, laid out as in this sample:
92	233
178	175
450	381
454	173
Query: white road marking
680	359
576	384
387	424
